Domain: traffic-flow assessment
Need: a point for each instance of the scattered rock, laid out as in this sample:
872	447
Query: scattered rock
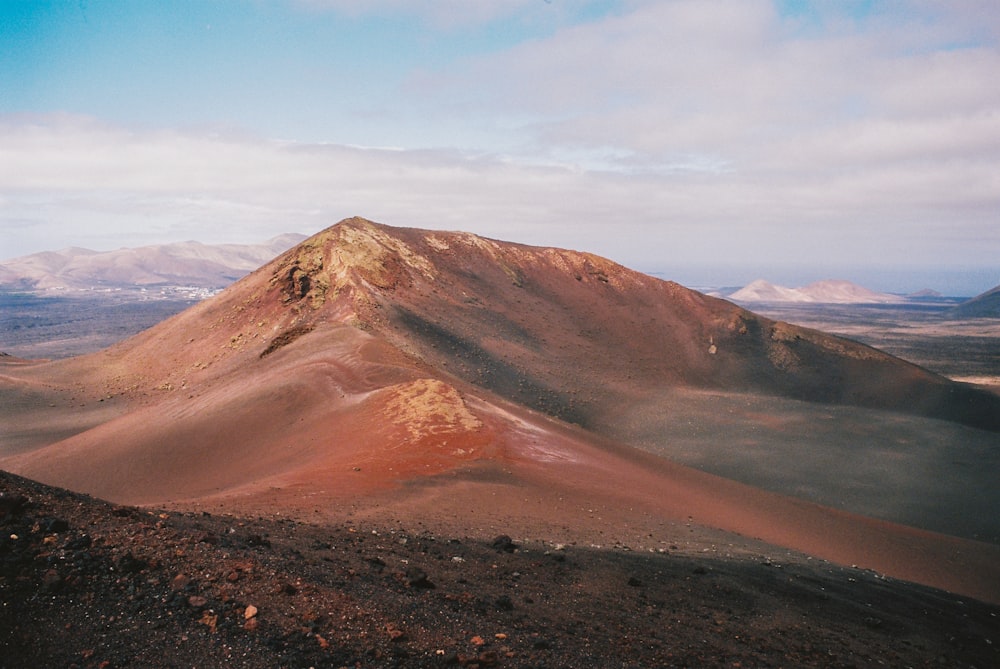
54	525
326	603
504	544
11	505
180	582
129	564
210	620
417	578
197	602
79	543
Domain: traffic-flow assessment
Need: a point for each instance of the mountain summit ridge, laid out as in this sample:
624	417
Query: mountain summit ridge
541	326
492	312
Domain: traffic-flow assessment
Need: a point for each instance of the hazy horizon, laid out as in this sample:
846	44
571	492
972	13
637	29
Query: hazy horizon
950	283
713	141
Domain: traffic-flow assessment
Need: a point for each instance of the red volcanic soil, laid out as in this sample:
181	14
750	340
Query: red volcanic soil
463	388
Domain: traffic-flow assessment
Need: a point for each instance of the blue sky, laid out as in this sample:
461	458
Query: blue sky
712	142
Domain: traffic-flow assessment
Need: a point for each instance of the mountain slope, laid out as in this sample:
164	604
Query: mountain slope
446	367
573	335
986	305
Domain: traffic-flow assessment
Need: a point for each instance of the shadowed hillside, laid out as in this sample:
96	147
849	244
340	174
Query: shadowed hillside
986	305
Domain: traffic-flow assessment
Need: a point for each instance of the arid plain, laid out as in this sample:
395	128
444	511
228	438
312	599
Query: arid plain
471	388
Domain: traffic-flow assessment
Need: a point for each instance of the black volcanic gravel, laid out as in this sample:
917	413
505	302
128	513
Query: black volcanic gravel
87	584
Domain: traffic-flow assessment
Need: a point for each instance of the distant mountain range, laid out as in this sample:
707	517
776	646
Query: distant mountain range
181	264
212	267
986	305
820	292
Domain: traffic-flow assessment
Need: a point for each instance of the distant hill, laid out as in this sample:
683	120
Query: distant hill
180	264
823	292
986	305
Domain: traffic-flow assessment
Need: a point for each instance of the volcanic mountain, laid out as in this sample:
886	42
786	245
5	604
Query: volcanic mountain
401	371
984	305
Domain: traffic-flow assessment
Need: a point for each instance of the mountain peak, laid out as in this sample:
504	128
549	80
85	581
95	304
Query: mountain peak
355	253
546	328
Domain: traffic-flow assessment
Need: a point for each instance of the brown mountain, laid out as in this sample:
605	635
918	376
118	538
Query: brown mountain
453	379
985	305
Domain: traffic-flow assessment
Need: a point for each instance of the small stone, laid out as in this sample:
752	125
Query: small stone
12	505
251	624
395	634
180	582
487	658
249	612
477	640
79	543
209	620
417	578
130	564
504	544
54	525
197	602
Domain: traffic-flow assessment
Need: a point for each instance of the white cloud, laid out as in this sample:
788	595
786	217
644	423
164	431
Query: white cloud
99	183
444	14
667	132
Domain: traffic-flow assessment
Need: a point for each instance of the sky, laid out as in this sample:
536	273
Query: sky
712	142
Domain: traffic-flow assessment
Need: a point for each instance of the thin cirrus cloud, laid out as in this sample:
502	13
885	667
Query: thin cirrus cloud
720	135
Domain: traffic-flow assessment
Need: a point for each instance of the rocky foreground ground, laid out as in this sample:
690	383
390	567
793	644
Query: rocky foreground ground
84	583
